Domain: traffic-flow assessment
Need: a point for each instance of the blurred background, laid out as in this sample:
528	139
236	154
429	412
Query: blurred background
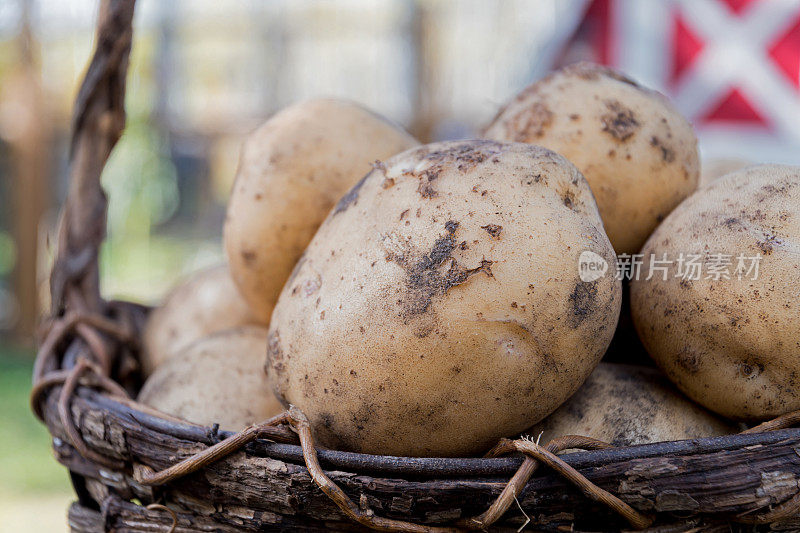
206	72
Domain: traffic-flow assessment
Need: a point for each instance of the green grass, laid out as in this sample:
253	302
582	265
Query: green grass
27	465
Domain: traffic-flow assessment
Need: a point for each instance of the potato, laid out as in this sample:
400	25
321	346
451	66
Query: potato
439	307
627	405
637	152
204	303
218	379
729	344
293	170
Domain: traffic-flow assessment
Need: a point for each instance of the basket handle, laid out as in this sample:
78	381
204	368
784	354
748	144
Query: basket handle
97	123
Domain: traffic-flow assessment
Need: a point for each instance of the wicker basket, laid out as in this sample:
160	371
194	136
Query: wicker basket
270	477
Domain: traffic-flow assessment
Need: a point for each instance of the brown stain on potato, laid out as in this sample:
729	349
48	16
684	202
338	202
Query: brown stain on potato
569	199
534	117
351	197
534	178
426	277
688	360
426	190
730	222
582	302
249	257
768	243
530	123
750	369
493	229
379	165
771	189
275	364
464	157
667	153
274	349
592	71
619	122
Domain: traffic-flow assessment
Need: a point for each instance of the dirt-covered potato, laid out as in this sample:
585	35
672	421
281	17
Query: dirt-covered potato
439	307
729	335
217	379
637	152
293	170
626	405
204	303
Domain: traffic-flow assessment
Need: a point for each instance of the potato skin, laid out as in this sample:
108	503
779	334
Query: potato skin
637	152
439	306
626	405
292	171
730	344
218	379
204	303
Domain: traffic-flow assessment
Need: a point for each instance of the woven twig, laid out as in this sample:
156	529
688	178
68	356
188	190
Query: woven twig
359	513
64	399
523	474
59	377
173	515
784	421
87	326
97	124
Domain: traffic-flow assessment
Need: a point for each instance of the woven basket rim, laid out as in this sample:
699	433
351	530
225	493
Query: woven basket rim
438	466
479	477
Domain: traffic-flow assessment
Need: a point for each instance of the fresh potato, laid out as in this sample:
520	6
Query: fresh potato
637	152
729	344
218	379
205	303
626	405
293	170
439	306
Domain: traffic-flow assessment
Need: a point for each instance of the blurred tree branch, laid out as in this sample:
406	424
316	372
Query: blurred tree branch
29	138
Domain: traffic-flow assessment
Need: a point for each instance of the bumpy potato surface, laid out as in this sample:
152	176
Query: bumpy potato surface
218	379
293	170
730	336
204	303
439	307
637	152
626	405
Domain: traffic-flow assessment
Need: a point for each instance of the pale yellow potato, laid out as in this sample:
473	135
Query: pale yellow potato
204	303
730	344
626	405
293	170
218	379
637	152
440	308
